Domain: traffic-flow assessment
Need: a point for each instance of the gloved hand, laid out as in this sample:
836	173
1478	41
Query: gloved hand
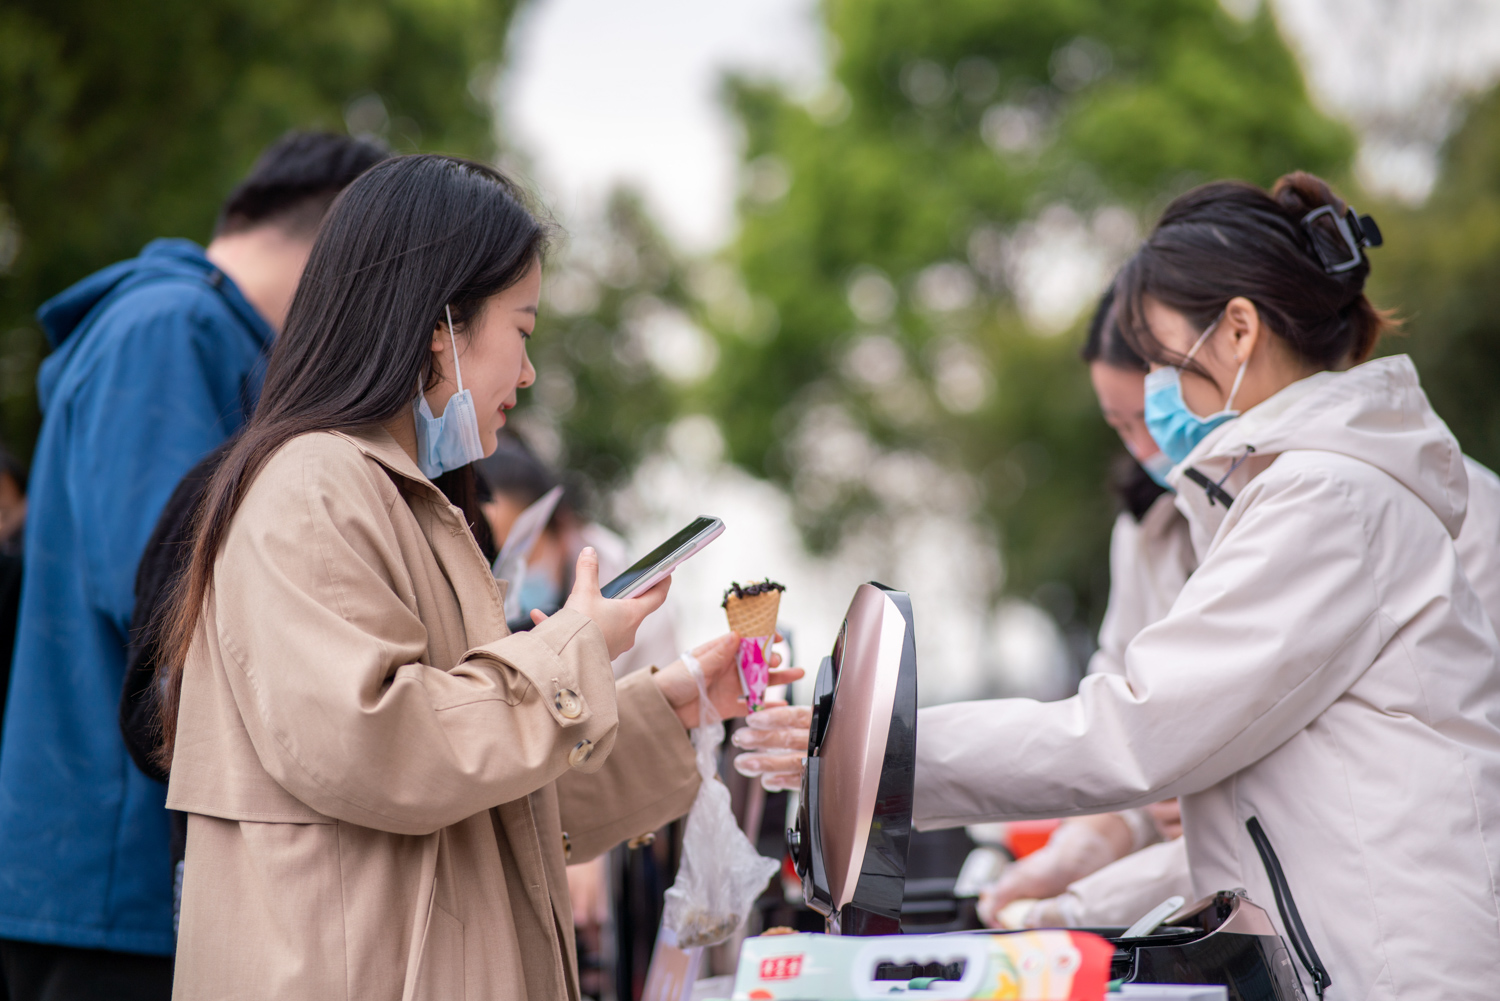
778	736
1063	911
1078	847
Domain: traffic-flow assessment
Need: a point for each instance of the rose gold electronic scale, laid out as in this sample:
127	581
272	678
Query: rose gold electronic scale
854	828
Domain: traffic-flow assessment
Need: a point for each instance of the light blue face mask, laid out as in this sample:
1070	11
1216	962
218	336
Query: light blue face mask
1157	466
452	440
537	591
1176	429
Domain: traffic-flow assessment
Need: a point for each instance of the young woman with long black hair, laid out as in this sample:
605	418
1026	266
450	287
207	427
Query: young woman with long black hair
383	784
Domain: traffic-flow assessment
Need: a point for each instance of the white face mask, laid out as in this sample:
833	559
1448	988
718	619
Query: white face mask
445	443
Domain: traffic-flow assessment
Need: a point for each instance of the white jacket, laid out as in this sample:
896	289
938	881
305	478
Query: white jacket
1149	561
1328	669
1145	558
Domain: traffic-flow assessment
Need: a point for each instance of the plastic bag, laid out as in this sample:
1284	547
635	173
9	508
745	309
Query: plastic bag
721	874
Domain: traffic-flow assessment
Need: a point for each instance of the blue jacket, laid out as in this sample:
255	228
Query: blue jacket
156	361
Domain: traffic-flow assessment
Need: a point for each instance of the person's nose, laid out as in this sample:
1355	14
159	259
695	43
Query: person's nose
528	371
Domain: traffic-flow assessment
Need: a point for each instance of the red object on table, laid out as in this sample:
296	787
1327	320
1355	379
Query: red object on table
1023	837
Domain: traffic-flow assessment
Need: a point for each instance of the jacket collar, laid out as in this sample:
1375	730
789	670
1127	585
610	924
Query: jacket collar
1375	412
377	443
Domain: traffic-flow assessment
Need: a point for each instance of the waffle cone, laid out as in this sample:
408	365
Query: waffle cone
754	615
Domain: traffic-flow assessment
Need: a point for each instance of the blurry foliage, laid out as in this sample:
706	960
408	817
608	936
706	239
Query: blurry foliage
121	122
884	221
1440	270
613	297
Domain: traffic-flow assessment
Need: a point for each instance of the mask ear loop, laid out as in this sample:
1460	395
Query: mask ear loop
1201	338
458	372
1238	376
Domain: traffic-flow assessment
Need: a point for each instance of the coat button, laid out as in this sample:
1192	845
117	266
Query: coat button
643	840
569	704
580	752
567	847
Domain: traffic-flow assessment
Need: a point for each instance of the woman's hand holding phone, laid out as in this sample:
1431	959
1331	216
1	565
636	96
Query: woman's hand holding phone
617	618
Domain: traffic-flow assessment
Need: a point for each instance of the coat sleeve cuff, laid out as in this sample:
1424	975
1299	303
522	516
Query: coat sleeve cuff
566	660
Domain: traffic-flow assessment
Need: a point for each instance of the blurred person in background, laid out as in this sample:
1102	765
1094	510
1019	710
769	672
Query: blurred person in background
383	783
155	362
1324	694
1075	879
514	478
1150	559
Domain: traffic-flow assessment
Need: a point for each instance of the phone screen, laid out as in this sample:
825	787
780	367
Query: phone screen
662	554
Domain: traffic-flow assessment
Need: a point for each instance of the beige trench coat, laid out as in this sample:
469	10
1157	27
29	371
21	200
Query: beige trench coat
383	785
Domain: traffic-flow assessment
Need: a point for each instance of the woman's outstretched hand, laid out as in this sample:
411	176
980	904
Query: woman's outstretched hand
777	739
617	618
717	659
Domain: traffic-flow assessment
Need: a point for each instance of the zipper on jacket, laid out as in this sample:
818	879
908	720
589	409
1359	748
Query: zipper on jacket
1290	919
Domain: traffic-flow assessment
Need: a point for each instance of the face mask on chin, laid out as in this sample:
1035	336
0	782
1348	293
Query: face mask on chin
448	442
1175	428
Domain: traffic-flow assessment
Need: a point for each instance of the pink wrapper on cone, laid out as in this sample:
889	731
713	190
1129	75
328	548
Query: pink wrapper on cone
755	669
752	612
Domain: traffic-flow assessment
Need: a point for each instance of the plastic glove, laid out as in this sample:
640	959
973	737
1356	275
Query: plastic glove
1078	847
1064	911
778	736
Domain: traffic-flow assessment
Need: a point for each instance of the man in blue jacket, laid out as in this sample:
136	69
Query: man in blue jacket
155	362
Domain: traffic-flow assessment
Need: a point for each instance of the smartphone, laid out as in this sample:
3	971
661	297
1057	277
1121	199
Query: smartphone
661	561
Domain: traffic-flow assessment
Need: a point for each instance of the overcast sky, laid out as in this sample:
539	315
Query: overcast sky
598	91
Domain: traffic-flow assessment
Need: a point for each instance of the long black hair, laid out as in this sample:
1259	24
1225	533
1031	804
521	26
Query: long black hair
1228	239
412	235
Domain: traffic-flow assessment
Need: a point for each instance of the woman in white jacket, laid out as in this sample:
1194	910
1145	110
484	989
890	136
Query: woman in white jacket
1328	669
1151	556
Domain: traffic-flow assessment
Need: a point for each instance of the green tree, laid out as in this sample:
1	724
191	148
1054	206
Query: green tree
884	223
612	365
1440	271
120	122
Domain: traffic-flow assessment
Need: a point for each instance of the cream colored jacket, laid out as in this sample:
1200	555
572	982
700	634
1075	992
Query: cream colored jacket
1149	561
1328	669
383	785
1145	557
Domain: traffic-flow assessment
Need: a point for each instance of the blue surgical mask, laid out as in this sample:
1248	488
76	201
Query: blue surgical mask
452	440
1176	429
539	591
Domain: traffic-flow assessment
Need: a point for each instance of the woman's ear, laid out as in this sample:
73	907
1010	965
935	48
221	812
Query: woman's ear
1244	327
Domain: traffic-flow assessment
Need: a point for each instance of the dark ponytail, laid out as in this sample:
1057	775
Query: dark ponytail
1229	239
410	236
